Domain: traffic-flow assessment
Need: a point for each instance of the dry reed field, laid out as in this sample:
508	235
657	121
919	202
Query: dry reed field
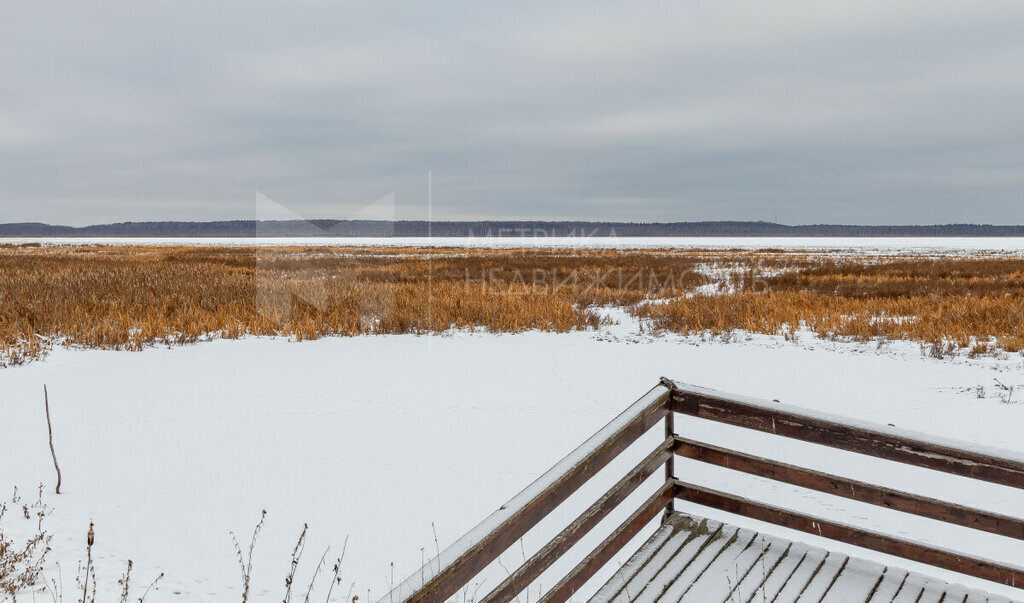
129	297
950	303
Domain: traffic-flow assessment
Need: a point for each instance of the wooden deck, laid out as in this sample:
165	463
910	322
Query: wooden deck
701	560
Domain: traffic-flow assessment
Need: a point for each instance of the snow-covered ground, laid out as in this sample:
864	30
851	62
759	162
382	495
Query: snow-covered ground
864	245
383	440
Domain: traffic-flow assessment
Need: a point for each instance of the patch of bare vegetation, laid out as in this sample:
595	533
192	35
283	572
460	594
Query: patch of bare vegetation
125	298
245	564
130	297
26	575
946	303
21	560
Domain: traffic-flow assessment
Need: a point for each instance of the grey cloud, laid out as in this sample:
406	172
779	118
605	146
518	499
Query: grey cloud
811	112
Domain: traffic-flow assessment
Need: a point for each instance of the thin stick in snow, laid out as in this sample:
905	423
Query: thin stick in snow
49	427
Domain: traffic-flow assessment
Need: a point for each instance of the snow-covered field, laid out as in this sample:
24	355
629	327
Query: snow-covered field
865	245
383	440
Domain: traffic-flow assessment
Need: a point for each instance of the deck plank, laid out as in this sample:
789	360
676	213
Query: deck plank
956	593
690	558
835	564
892	582
714	581
913	589
686	541
857	581
811	559
643	559
689	564
755	581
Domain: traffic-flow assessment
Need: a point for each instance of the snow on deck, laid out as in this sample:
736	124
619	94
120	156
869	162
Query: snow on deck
691	558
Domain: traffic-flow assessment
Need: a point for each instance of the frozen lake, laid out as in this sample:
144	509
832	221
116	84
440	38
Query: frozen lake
383	440
869	245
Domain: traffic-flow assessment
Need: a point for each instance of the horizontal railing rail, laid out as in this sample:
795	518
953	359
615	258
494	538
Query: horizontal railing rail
948	456
451	571
836	485
957	458
842	532
603	553
560	544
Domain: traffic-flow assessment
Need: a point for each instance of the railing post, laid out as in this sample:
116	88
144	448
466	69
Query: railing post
670	464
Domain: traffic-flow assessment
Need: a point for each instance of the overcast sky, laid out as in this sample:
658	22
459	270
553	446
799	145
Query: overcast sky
804	112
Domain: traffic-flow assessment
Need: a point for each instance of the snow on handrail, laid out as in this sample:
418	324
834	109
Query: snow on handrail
463	559
657	395
1002	455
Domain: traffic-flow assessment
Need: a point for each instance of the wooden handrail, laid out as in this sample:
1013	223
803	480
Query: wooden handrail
896	500
456	566
535	566
949	456
583	571
934	556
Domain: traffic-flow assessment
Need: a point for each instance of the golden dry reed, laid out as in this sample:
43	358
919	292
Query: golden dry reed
975	302
128	297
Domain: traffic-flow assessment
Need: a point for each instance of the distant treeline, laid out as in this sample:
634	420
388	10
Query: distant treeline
496	228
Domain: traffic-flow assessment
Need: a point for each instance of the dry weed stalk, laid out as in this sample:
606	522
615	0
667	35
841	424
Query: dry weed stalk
336	573
49	429
300	547
124	581
246	563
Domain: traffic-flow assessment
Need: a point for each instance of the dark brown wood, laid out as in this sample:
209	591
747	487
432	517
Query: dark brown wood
906	447
670	464
583	571
950	560
931	508
876	443
461	571
535	565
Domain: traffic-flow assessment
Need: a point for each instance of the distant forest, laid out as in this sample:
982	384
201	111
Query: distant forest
496	228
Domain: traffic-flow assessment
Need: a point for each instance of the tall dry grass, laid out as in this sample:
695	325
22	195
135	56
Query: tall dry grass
128	297
965	321
967	302
125	298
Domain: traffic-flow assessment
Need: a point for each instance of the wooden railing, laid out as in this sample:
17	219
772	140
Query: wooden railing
447	575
